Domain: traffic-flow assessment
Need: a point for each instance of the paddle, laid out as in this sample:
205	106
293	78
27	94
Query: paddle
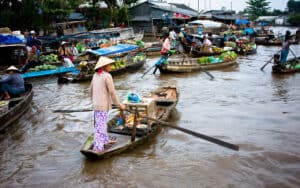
293	53
199	135
202	69
262	68
148	71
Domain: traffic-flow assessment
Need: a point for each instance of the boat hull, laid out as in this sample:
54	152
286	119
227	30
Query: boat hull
191	65
18	107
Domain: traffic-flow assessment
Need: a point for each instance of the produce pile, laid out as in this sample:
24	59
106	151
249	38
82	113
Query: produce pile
228	56
246	47
139	57
217	49
42	68
119	63
225	56
51	58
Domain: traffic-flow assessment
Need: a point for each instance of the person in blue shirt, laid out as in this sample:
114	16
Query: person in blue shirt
285	49
12	84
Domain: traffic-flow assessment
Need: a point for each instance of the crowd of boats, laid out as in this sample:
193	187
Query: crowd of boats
142	119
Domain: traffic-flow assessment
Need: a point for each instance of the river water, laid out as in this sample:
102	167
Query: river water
254	109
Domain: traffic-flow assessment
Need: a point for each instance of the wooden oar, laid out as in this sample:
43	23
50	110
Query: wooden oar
262	68
70	111
199	135
188	131
292	51
148	71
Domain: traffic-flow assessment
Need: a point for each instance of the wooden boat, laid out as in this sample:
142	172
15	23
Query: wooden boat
15	107
159	105
272	42
42	73
291	66
131	65
251	51
185	65
153	51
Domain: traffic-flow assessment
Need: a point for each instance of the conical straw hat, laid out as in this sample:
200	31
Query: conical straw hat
13	68
102	61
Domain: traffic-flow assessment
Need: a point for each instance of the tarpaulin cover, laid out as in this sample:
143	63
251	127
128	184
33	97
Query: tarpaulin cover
120	48
244	21
10	39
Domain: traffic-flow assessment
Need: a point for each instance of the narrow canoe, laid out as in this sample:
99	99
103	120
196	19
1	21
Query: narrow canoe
185	65
159	105
292	66
16	108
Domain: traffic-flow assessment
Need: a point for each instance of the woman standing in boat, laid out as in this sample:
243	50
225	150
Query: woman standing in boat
166	45
102	93
285	47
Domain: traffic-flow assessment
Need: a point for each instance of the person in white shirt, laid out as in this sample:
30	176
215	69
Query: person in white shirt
173	38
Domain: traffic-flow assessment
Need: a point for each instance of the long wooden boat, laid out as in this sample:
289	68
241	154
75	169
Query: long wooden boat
15	107
292	66
42	73
131	65
185	65
274	42
159	105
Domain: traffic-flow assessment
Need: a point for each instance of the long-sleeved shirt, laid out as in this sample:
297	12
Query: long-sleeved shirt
14	80
103	91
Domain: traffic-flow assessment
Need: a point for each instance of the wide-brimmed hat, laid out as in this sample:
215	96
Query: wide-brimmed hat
12	68
63	42
32	32
102	61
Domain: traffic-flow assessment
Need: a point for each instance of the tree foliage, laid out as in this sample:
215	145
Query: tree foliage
256	8
40	14
293	6
294	19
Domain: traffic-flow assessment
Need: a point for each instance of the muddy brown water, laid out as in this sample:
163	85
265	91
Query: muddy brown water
242	105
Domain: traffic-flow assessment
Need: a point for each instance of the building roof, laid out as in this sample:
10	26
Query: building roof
174	8
266	18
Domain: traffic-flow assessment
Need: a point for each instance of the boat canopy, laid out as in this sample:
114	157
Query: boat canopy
206	23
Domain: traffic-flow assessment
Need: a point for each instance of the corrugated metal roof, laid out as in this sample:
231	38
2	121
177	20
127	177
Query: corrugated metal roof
173	8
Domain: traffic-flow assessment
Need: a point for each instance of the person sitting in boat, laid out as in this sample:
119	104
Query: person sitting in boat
73	51
285	47
32	60
207	44
13	84
64	55
103	91
173	38
196	44
32	40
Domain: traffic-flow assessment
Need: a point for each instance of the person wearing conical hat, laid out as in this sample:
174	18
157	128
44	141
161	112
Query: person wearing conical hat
64	54
13	84
102	93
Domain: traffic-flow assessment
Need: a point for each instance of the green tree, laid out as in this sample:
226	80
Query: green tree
256	8
294	19
293	6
